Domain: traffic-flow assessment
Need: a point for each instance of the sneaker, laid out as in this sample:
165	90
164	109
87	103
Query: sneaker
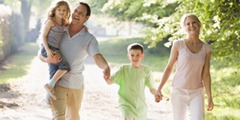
49	91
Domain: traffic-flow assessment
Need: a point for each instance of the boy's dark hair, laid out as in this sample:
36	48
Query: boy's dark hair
135	46
87	6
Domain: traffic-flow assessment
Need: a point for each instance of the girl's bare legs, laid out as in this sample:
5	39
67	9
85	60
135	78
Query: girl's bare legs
49	86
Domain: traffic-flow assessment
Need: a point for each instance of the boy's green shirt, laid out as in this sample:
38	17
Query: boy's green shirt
132	82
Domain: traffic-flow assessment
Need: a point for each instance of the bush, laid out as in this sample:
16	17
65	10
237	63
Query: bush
11	32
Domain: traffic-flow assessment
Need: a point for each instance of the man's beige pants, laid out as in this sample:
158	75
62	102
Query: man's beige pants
68	103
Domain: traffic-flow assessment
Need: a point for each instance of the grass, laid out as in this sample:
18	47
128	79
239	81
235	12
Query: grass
226	94
115	51
225	80
18	64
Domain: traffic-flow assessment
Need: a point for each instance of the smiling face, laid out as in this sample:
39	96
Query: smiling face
61	11
79	15
191	25
135	56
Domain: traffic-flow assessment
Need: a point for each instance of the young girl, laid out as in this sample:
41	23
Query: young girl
53	31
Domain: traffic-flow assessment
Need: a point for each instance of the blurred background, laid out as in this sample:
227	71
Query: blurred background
154	23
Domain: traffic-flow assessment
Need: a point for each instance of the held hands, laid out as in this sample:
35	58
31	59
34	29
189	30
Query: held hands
109	81
158	96
106	73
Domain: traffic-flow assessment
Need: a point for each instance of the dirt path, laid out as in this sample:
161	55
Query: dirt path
24	100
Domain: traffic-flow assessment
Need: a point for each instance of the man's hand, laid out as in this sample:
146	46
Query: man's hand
55	59
106	73
102	63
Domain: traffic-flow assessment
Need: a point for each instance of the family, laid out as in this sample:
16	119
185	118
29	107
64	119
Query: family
66	43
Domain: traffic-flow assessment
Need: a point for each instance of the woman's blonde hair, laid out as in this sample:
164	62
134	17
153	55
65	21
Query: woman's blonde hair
57	4
191	15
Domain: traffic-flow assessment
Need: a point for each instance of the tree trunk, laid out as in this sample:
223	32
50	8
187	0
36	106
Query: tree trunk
129	28
26	12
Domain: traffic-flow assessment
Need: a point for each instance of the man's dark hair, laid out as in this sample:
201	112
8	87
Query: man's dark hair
87	6
135	46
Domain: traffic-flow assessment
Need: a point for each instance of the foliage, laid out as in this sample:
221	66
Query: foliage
18	65
220	25
11	33
38	7
220	19
96	6
133	9
115	51
5	34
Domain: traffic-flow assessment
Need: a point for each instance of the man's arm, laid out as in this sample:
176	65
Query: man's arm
102	63
53	60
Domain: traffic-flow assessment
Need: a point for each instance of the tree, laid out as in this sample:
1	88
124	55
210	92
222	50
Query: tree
220	19
27	8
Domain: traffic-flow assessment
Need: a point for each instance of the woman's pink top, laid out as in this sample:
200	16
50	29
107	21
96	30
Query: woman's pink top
189	66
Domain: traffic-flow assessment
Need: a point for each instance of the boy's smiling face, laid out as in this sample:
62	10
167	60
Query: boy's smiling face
135	56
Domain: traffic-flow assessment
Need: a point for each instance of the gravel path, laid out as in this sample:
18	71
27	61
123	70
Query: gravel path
24	99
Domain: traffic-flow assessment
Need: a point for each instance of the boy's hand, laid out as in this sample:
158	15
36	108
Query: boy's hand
158	97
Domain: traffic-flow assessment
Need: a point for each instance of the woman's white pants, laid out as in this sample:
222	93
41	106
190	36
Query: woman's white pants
187	104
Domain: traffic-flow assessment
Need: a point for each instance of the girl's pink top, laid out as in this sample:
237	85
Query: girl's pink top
189	66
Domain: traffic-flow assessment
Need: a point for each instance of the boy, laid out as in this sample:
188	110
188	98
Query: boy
132	80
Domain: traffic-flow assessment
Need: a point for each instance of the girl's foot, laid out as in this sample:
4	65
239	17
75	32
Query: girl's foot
49	91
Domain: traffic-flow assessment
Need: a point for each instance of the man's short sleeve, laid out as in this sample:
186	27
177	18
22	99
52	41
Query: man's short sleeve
93	47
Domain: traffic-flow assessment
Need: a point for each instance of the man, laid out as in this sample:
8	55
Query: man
76	44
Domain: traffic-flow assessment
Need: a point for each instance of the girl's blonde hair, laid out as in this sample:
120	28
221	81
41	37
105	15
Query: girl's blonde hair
191	15
57	4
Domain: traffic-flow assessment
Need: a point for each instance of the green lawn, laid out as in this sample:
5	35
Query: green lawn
226	94
18	64
225	80
115	51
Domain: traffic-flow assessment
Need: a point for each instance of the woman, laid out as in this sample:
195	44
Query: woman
192	58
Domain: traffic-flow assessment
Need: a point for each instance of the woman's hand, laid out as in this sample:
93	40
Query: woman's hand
210	105
158	96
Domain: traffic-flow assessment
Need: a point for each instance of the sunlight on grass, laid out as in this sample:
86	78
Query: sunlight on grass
223	114
226	94
115	51
225	80
17	65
